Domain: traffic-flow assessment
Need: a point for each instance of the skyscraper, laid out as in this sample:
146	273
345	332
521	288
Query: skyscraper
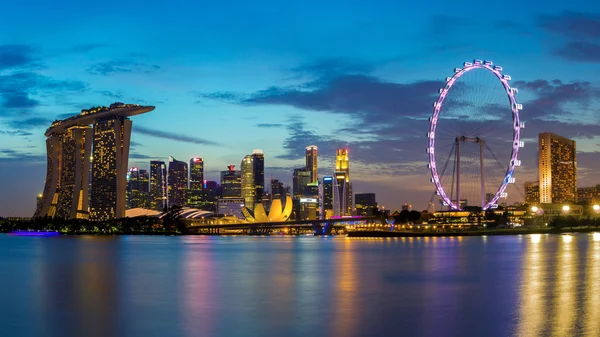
231	183
158	185
278	191
365	203
311	162
137	188
109	167
177	182
258	170
248	187
532	192
343	184
328	195
196	182
70	145
557	169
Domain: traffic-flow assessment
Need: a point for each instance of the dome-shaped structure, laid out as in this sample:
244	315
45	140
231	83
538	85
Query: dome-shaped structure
276	213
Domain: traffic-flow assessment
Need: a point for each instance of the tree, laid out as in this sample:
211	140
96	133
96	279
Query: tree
172	220
402	217
413	216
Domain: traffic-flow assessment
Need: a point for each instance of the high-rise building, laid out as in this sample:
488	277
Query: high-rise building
258	168
196	182
67	180
71	144
365	203
278	191
158	185
588	195
109	168
532	192
137	188
177	182
311	162
328	196
300	179
208	197
557	169
248	187
344	186
231	183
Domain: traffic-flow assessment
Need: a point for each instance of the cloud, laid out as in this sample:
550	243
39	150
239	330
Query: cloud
15	133
111	94
580	51
29	123
173	136
576	25
269	125
121	66
88	47
17	89
16	55
9	156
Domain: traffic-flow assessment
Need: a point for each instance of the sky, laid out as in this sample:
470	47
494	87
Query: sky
230	77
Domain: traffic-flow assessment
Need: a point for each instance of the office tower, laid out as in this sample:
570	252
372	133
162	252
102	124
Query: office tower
231	183
208	196
311	162
137	188
196	182
328	196
177	181
557	169
278	191
248	186
406	207
258	170
365	203
309	202
70	145
532	192
344	186
158	185
300	179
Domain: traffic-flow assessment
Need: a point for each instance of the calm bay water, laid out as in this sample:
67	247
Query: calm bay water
526	285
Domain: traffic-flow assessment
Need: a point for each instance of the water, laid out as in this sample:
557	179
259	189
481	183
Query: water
527	285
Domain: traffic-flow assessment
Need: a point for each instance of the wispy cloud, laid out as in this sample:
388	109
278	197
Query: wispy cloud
173	136
121	66
270	125
16	55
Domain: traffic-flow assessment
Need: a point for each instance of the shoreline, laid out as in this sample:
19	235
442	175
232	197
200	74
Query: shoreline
385	234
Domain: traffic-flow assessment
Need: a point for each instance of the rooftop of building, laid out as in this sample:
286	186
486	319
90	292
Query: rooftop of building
88	116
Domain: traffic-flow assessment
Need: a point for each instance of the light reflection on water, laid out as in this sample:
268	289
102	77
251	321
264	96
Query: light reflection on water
536	285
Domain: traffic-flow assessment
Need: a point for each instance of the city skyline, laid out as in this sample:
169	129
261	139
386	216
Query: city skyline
236	87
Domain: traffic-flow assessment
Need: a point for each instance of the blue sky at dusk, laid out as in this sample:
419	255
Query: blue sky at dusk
230	77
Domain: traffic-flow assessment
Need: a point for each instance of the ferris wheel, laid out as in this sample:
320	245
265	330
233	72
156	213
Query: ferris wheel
474	137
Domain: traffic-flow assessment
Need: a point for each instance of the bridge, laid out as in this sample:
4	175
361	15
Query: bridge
317	227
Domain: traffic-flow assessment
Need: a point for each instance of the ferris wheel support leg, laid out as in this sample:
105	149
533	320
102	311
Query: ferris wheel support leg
483	201
458	172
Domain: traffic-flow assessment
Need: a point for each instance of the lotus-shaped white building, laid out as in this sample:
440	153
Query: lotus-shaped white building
277	213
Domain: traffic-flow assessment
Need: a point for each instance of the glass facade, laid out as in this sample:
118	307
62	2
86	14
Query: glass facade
248	187
258	170
311	162
344	186
532	192
231	183
177	183
196	182
365	202
557	169
138	188
158	185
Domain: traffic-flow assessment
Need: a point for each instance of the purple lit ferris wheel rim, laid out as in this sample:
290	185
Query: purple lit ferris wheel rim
437	107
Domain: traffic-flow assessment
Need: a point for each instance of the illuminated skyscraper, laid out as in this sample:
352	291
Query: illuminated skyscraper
557	169
109	167
328	195
158	185
343	184
177	183
196	182
278	191
69	150
258	170
532	192
231	183
311	162
137	188
67	181
248	188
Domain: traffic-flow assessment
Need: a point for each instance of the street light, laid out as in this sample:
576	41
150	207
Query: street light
534	209
566	208
596	208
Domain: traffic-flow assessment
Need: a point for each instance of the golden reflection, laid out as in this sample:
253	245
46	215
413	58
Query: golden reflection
345	293
535	238
532	289
592	289
566	279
